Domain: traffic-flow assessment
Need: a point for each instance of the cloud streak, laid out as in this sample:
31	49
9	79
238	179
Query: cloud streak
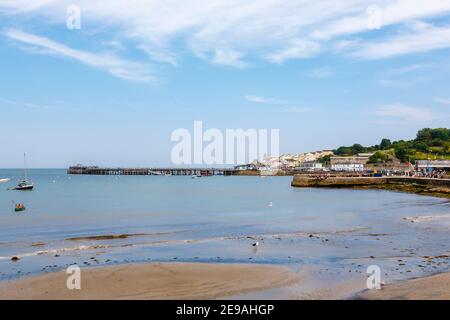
405	113
227	32
281	105
26	105
120	68
443	100
322	73
262	100
229	58
424	38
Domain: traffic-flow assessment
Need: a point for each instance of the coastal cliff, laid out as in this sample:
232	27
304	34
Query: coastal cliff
424	186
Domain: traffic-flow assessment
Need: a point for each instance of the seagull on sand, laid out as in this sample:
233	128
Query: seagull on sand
255	244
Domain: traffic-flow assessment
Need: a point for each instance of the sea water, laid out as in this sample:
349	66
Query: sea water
215	219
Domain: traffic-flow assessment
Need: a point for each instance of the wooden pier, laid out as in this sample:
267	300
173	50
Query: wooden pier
152	171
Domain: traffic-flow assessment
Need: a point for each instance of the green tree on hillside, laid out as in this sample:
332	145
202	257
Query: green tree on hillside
424	135
379	157
428	134
401	154
350	151
357	148
325	160
421	146
385	144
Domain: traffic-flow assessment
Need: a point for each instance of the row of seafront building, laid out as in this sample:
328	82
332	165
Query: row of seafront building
359	163
337	163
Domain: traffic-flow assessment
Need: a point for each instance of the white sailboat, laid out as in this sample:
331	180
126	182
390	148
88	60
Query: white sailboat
24	184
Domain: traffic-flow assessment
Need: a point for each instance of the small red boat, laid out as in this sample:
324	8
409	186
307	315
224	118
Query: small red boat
19	207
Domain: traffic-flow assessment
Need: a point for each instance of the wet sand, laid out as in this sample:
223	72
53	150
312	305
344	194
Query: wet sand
435	287
153	281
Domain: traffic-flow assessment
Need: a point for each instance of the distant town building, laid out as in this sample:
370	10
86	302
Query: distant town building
292	161
350	167
367	154
309	166
352	163
433	164
249	166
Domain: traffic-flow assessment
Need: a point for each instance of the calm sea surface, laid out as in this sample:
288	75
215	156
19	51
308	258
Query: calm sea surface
214	219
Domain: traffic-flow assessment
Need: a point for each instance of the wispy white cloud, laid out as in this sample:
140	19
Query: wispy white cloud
114	44
262	100
25	105
322	73
443	100
391	13
403	82
300	109
408	69
25	5
404	113
228	57
405	76
281	105
159	55
118	67
295	50
422	39
228	32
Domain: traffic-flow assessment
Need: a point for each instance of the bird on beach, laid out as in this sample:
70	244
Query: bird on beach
255	244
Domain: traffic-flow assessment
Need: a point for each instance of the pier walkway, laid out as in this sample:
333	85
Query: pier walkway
152	171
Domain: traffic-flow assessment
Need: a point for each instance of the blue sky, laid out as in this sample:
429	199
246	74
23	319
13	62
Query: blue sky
112	92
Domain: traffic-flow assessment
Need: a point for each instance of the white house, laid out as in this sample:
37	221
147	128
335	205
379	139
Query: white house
352	167
352	164
433	164
310	166
243	167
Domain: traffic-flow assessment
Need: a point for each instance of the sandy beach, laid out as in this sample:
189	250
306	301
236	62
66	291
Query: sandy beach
435	287
153	281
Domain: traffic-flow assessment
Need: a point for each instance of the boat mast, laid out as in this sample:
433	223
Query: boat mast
25	166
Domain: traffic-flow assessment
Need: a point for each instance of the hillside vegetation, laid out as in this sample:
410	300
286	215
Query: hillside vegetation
428	144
